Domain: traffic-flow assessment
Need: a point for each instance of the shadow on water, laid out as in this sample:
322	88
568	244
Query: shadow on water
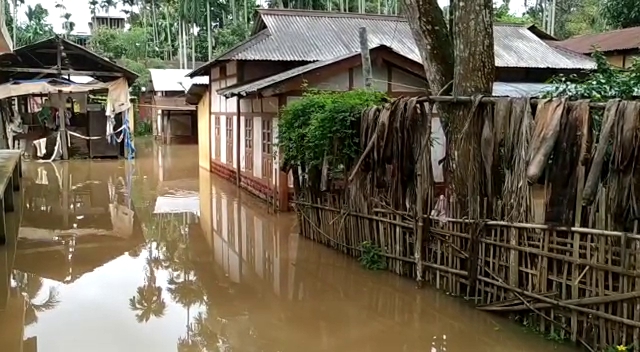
159	255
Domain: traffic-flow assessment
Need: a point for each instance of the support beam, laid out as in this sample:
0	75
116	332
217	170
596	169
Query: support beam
238	168
63	72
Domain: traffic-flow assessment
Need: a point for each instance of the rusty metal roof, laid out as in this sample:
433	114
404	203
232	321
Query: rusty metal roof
621	39
295	35
255	86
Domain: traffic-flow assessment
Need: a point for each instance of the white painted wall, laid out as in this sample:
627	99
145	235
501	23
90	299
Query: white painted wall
257	146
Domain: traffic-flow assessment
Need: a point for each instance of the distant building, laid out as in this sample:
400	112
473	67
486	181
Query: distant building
81	39
620	47
111	22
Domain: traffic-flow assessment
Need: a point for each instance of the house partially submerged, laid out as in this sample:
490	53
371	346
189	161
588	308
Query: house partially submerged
289	49
621	47
172	118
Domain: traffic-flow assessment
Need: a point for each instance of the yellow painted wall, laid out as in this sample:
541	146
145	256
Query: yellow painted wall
206	213
204	132
619	60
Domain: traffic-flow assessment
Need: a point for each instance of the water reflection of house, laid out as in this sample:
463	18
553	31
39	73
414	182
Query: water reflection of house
12	319
267	288
76	218
247	242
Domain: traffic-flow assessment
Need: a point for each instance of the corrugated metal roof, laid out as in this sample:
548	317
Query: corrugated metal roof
315	36
169	80
515	89
200	80
256	86
621	39
500	89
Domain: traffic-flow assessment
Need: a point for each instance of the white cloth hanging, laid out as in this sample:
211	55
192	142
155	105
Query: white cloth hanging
42	176
118	97
41	146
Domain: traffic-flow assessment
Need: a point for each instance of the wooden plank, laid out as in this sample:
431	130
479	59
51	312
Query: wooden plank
64	72
9	166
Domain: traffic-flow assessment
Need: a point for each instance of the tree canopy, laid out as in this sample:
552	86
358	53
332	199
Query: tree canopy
621	13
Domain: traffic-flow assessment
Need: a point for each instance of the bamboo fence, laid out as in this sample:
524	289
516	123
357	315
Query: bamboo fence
579	283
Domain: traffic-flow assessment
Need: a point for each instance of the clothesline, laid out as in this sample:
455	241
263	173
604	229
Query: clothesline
58	148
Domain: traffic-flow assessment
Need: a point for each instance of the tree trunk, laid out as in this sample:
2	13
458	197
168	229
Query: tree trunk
180	44
185	45
210	46
430	33
166	15
468	51
15	23
193	46
155	21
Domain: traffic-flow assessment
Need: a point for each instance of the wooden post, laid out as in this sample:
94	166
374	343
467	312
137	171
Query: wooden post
238	141
65	195
167	127
366	58
61	109
63	126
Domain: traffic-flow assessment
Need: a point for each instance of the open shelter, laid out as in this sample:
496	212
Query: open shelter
27	73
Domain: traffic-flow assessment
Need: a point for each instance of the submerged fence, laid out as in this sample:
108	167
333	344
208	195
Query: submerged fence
571	269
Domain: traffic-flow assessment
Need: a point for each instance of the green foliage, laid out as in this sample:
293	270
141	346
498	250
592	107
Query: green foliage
141	67
143	129
35	29
621	13
573	17
371	257
605	83
324	123
620	348
118	44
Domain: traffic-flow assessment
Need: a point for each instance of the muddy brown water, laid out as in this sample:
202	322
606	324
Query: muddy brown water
159	255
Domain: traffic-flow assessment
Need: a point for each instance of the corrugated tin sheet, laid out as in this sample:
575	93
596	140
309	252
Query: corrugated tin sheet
170	80
256	86
621	39
200	80
318	36
514	89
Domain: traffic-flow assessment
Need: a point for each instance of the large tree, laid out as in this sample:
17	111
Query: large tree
465	49
458	59
621	13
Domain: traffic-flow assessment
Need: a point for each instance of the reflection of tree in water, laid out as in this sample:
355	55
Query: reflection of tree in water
31	285
148	301
170	239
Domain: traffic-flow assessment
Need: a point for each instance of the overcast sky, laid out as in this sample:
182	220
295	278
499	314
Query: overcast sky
80	14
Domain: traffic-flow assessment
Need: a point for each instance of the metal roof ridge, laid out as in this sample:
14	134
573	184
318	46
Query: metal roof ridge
318	13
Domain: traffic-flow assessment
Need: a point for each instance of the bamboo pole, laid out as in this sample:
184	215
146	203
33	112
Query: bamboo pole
575	302
564	305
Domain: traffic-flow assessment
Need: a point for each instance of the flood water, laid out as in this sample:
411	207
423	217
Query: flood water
158	255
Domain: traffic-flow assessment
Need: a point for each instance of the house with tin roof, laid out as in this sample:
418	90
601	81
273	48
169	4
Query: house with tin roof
164	104
620	47
289	49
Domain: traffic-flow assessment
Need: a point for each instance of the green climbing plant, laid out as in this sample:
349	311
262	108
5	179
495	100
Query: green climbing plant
604	83
323	125
371	256
620	348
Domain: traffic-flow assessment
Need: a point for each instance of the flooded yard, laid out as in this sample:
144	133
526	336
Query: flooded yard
159	255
